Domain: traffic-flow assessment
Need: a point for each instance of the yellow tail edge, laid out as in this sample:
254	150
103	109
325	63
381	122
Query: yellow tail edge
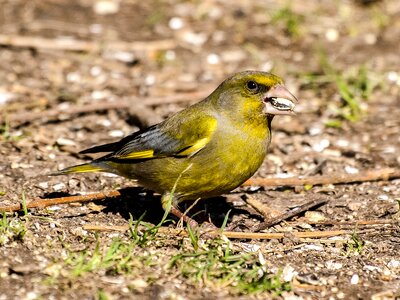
84	168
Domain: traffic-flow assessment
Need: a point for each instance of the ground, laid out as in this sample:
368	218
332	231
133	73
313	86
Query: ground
139	63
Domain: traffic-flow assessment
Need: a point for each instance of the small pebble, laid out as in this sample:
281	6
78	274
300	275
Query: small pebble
176	23
342	143
313	247
58	187
104	122
331	265
96	28
195	39
15	165
110	175
389	149
74	77
372	268
124	56
65	142
393	77
340	295
31	295
261	259
288	273
321	145
277	160
95	71
333	152
116	133
218	36
213	59
54	208
387	272
64	106
394	264
315	130
43	185
150	80
351	170
355	279
98	95
250	247
354	206
138	283
315	216
5	97
332	35
370	39
106	7
170	55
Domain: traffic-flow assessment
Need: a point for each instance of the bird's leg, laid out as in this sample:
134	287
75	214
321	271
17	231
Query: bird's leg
169	204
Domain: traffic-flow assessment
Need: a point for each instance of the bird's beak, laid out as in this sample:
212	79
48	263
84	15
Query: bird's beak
279	101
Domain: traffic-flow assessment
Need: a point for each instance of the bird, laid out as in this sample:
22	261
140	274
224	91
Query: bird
205	150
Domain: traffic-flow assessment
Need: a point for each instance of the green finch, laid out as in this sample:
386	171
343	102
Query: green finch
205	150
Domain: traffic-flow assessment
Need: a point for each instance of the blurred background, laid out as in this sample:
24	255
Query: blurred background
87	50
75	73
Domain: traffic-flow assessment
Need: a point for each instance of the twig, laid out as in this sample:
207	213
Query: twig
356	223
370	175
84	46
261	208
54	114
41	203
143	116
291	213
229	234
39	25
26	105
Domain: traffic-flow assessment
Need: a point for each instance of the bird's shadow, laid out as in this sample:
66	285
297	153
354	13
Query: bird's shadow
139	203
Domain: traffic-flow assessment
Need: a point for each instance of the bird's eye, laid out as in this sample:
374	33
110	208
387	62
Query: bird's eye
252	86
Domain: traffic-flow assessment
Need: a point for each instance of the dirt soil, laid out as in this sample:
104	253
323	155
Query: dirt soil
187	48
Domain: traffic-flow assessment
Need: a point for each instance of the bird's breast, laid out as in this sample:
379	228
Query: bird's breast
226	162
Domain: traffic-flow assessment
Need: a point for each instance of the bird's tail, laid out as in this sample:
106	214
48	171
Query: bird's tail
84	168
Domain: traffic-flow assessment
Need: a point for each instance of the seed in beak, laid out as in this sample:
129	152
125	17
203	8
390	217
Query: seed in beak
279	101
282	103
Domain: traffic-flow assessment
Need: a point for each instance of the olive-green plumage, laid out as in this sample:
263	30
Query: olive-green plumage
205	150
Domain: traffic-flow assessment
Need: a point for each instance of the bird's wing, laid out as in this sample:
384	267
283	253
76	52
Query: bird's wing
179	139
113	147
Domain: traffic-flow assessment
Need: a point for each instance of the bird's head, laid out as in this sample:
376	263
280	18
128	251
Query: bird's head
253	93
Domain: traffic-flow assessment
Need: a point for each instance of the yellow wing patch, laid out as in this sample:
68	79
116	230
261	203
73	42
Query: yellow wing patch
138	155
209	129
192	150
